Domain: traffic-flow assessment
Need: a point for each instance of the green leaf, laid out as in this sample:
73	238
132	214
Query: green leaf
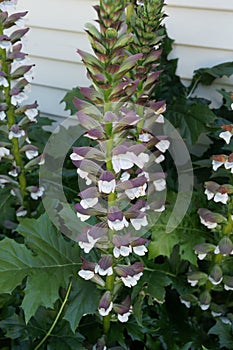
162	244
68	99
48	263
187	234
228	98
7	212
137	308
206	76
84	299
224	332
191	117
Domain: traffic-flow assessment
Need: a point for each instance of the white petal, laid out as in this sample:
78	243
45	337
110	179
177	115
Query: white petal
83	217
138	223
88	202
116	252
204	306
86	274
124	318
163	145
75	156
129	281
209	194
86	246
106	312
219	197
159	159
226	136
140	250
125	251
216	164
160	184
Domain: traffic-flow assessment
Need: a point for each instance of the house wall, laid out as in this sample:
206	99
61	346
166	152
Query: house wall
202	30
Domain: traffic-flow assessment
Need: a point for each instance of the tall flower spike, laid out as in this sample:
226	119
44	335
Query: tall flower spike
144	20
14	81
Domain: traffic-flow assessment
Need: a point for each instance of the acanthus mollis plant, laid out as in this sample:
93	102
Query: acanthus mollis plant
213	277
123	185
18	156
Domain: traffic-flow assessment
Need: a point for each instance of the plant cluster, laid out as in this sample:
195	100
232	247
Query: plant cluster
106	262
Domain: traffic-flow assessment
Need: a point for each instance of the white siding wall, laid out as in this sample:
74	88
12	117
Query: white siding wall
202	30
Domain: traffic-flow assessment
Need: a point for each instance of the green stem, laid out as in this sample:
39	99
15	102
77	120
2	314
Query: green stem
10	122
57	317
107	319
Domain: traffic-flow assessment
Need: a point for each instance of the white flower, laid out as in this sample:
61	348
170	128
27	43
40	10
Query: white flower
229	165
3	82
145	137
208	224
5	44
2	115
124	318
140	250
160	119
107	186
105	312
139	222
84	175
193	282
38	193
159	184
75	156
17	99
185	302
227	287
13	172
87	246
125	176
21	213
86	274
88	202
121	161
136	192
232	106
4	152
131	281
31	114
204	306
118	225
3	182
163	145
221	197
159	159
83	217
209	194
8	5
201	256
123	251
102	272
216	164
18	134
30	154
226	136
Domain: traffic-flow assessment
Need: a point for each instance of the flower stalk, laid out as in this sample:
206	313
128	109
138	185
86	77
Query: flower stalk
119	169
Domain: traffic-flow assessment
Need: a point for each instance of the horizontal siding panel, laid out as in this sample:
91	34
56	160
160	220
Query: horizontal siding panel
192	58
57	45
208	4
200	27
59	74
67	15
